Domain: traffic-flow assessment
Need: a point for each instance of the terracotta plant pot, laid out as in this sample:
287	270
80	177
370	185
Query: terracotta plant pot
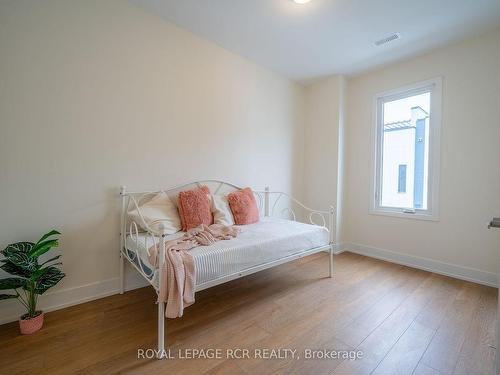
31	325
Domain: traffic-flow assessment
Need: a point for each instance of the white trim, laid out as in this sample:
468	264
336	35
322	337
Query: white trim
432	213
339	248
60	299
403	215
426	264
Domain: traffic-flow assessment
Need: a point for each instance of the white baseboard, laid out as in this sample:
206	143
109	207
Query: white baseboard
12	309
340	248
337	249
431	265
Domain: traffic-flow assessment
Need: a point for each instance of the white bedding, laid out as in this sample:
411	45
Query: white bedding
262	242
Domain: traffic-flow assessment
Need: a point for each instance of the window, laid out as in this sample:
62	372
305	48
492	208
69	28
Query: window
402	179
406	168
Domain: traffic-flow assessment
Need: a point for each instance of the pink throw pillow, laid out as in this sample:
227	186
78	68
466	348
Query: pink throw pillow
194	208
243	206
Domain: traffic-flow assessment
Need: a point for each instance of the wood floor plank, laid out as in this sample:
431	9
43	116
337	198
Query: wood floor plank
386	303
437	309
444	349
403	358
384	337
477	354
425	370
409	349
226	368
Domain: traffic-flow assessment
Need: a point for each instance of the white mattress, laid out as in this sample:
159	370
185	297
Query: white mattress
268	240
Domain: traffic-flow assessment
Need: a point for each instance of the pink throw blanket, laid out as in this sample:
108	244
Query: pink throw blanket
179	272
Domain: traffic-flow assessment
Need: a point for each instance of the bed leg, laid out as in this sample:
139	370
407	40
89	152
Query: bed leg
122	269
161	330
331	228
331	261
161	304
123	190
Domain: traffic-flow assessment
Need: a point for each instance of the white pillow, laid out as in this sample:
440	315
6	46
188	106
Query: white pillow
159	210
221	210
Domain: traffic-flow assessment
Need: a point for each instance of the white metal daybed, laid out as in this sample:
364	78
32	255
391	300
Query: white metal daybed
272	241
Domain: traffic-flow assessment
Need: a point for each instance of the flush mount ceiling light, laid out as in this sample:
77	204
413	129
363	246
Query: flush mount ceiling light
301	1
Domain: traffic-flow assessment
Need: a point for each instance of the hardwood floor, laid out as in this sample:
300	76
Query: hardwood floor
403	320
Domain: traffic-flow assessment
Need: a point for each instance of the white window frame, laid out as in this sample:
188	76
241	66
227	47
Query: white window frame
432	212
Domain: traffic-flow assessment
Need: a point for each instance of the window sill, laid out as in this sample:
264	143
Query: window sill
415	216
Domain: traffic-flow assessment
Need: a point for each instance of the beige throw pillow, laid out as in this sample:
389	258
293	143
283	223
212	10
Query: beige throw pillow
157	211
221	211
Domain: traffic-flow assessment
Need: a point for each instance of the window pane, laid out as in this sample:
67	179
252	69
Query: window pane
402	179
405	154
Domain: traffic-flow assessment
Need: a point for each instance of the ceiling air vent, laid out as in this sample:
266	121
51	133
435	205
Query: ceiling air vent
387	39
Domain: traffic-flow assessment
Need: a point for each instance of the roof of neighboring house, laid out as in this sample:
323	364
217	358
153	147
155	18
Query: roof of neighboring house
417	114
421	110
398	125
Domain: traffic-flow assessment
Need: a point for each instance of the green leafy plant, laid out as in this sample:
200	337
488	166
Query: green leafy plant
32	279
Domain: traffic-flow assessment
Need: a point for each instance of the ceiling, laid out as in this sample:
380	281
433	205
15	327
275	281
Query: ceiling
305	42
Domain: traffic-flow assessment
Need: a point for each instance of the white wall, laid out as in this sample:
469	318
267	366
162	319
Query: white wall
95	94
323	145
470	159
322	111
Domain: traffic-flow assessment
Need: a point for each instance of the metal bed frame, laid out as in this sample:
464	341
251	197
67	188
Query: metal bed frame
268	203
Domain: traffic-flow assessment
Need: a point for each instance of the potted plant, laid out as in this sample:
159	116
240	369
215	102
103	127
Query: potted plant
32	278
